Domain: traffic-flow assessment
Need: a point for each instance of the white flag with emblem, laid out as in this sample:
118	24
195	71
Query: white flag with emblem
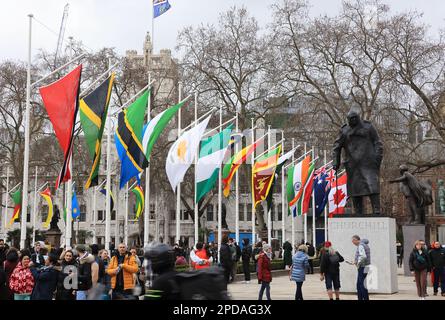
182	153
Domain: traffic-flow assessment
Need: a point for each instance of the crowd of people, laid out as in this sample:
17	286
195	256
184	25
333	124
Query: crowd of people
89	272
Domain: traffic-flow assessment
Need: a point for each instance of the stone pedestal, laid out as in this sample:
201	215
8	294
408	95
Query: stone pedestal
53	237
381	233
411	233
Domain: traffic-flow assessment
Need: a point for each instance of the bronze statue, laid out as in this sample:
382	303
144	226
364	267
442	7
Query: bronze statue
55	219
363	157
418	194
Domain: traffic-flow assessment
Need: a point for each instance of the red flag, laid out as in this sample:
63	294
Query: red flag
61	101
338	195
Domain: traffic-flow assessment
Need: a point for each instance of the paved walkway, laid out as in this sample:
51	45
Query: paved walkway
314	289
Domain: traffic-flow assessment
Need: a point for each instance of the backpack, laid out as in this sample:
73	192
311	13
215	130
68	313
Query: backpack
203	284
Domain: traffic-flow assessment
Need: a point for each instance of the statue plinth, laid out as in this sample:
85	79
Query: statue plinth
411	233
53	237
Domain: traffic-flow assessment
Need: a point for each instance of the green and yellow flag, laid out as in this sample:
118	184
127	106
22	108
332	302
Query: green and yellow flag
140	200
93	114
17	198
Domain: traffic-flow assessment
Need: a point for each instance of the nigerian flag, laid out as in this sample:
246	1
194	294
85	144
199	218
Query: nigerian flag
211	156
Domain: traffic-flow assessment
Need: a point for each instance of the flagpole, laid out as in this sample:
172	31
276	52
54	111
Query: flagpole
6	200
293	218
196	165
68	233
178	188
156	220
126	218
304	215
325	208
34	209
314	236
253	191
147	179
94	215
27	134
283	199
108	183
219	190
236	189
269	211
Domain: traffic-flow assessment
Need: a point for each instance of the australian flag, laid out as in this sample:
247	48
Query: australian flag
322	187
160	7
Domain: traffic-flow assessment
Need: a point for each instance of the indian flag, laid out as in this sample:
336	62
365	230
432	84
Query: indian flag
300	173
211	156
155	126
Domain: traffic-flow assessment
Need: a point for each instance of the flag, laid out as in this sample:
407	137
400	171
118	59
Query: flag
338	195
211	156
61	101
155	126
128	139
140	200
182	153
321	190
297	178
234	163
17	199
93	114
280	163
104	192
46	194
75	211
307	191
262	175
64	214
160	7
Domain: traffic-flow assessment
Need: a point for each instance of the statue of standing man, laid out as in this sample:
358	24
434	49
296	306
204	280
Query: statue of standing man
363	152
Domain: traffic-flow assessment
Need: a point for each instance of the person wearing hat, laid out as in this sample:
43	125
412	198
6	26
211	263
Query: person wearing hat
264	271
330	269
300	263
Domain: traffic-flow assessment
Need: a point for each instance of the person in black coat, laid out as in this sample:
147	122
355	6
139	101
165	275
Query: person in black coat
45	279
246	255
37	258
420	265
225	256
3	250
4	294
437	258
330	269
68	268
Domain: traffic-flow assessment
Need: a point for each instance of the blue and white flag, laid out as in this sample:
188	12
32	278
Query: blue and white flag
160	7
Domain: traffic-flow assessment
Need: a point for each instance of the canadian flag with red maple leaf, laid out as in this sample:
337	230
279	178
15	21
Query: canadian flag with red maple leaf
338	195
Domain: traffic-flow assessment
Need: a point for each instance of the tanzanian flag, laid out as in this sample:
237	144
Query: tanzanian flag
17	199
140	200
128	139
93	114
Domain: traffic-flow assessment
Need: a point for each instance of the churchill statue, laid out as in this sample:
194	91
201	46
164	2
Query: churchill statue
363	154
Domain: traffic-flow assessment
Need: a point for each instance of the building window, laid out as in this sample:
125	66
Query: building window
280	213
184	215
241	211
249	212
152	211
44	213
210	212
113	215
100	215
83	213
172	215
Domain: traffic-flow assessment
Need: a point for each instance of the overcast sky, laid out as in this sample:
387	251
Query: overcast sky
123	24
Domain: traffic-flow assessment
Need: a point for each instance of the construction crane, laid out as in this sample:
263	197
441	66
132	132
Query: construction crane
61	33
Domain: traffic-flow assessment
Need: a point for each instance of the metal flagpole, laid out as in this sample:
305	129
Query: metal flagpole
236	189
94	215
26	151
283	199
178	188
220	194
314	239
117	237
34	211
108	184
292	215
196	165
156	220
147	179
305	215
6	200
69	209
269	212
325	209
126	217
253	197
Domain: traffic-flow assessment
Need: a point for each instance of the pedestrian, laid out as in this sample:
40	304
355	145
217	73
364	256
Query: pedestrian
226	260
4	294
46	279
437	258
121	269
255	254
234	254
362	260
419	265
12	259
330	270
200	257
264	271
399	249
287	256
85	263
300	263
21	281
3	250
66	284
97	268
311	255
38	259
246	255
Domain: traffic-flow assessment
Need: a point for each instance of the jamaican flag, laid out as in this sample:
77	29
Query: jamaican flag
93	114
